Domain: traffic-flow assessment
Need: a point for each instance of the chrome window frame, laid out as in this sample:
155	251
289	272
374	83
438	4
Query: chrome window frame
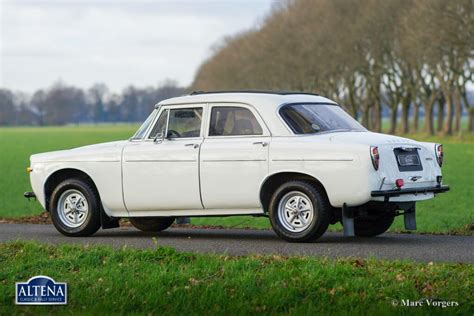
265	130
169	108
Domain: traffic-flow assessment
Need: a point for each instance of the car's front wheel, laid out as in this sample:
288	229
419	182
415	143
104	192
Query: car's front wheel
75	208
299	211
151	224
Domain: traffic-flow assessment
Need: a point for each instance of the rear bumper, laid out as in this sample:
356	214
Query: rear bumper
399	192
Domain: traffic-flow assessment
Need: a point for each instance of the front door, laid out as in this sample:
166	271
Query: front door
162	173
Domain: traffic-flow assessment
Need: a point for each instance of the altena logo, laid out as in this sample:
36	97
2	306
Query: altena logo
41	290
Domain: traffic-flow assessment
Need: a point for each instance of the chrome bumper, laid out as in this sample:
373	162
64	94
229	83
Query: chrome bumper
423	190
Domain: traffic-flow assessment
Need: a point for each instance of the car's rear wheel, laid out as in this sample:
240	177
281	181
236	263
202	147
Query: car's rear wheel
372	225
75	208
299	211
151	224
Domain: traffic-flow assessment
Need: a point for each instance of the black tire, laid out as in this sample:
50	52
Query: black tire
151	224
374	225
92	220
321	212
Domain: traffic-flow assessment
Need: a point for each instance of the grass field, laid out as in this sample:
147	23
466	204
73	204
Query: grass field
17	144
103	280
451	211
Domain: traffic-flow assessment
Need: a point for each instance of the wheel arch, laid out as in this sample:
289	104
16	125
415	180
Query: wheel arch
272	182
60	175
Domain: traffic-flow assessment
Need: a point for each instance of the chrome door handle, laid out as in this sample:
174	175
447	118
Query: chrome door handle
193	145
261	143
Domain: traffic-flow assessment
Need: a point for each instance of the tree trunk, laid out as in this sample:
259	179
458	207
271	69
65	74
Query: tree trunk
373	120
429	122
376	106
457	113
365	116
378	117
470	123
416	117
441	102
393	120
405	114
448	123
469	110
353	105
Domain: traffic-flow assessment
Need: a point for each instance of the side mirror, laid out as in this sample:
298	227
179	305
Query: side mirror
159	138
315	127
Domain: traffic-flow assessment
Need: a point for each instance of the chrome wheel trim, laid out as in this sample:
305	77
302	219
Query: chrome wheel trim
73	208
295	211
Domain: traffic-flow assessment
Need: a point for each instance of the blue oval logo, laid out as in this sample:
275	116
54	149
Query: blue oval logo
41	290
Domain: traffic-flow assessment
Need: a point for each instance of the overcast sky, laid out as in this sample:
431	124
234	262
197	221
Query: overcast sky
115	42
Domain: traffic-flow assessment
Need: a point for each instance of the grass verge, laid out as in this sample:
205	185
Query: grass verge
103	280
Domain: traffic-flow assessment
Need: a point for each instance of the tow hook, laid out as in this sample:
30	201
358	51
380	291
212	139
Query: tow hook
29	195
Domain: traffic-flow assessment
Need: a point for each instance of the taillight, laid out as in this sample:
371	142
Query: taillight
399	183
439	154
374	154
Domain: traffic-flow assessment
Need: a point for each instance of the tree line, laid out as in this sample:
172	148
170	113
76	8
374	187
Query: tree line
63	104
404	59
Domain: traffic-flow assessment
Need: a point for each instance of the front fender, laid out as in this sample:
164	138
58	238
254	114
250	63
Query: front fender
106	176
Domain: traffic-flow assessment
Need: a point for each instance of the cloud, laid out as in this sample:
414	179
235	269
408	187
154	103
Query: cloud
115	42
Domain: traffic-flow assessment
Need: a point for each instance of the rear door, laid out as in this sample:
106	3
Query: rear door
234	157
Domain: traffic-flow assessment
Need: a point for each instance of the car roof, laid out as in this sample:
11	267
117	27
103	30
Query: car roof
254	98
252	91
266	103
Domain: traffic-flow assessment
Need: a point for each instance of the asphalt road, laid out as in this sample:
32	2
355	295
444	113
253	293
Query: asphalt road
423	248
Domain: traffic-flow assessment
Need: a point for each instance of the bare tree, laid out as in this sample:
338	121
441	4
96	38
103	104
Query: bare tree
405	56
7	107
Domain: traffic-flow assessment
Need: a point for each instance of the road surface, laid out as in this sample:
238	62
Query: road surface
422	248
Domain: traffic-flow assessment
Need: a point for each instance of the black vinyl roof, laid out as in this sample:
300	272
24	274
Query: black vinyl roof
252	91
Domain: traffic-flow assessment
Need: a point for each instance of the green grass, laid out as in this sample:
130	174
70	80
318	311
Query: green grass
17	144
449	211
102	280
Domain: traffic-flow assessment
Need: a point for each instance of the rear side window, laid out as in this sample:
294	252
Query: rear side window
313	118
233	121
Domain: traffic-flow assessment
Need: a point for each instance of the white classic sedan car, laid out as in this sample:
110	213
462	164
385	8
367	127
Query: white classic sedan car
296	158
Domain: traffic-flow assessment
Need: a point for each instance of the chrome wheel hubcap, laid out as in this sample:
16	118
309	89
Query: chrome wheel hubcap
73	208
295	211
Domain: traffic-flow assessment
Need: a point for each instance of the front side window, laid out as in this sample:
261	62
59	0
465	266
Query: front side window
233	121
160	125
144	127
184	123
314	118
